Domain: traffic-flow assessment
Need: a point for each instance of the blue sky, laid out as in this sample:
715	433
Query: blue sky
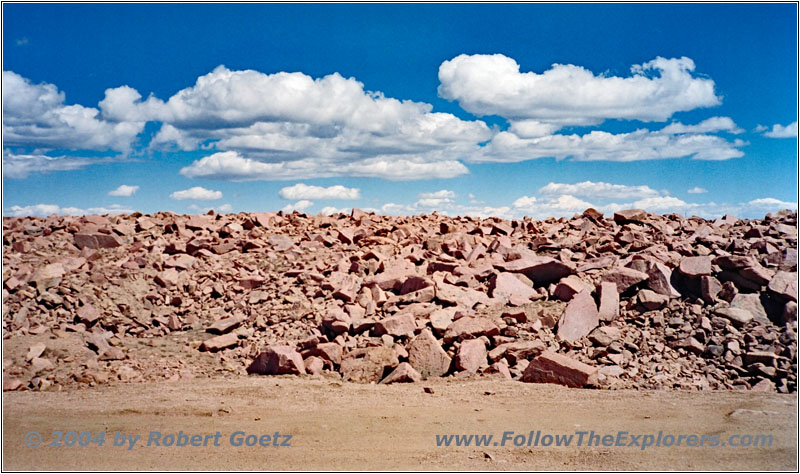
509	110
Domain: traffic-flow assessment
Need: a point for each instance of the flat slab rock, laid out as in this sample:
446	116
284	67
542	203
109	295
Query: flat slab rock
220	342
579	318
551	367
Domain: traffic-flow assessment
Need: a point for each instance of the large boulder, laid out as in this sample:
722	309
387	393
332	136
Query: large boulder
551	367
426	355
579	318
277	360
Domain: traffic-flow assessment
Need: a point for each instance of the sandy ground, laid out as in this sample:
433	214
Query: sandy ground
349	426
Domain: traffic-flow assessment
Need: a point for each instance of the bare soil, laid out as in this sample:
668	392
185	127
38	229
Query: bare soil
343	426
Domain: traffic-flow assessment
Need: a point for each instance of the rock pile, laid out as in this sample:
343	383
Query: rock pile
635	301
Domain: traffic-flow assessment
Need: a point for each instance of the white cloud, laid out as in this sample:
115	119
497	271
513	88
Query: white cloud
304	191
18	166
284	121
44	210
782	131
35	116
196	193
598	190
329	210
232	166
435	199
441	194
661	204
697	190
124	190
642	144
572	95
563	205
221	209
713	124
771	203
300	205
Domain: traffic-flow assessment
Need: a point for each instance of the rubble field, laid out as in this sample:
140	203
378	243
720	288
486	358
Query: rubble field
630	301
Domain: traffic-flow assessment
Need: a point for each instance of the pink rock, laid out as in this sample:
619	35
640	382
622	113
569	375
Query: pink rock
470	328
659	277
368	364
541	270
579	318
96	240
47	276
514	352
347	289
630	215
452	295
182	261
394	276
471	355
764	385
426	355
277	360
314	365
695	266
10	385
337	321
551	367
400	325
35	351
168	278
609	301
784	284
88	314
506	285
709	288
40	364
652	300
404	373
624	277
220	342
224	325
329	351
570	286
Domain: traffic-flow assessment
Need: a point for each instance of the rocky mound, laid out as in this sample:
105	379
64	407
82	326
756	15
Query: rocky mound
635	301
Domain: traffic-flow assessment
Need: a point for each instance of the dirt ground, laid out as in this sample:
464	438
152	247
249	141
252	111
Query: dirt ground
342	426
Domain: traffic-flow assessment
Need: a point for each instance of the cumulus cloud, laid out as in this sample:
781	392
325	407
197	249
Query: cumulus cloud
782	131
44	210
568	94
232	166
641	144
330	210
771	203
304	191
330	125
697	190
598	190
35	116
713	124
124	190
435	199
563	205
197	193
300	206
